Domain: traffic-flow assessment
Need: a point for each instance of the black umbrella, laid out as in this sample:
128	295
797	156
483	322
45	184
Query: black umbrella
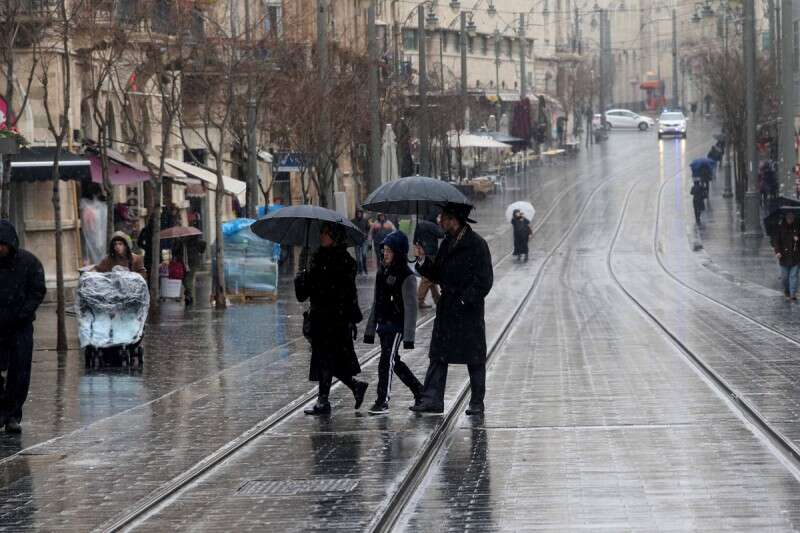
299	225
777	209
414	195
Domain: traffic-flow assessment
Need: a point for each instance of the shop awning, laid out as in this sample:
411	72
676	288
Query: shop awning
36	164
232	186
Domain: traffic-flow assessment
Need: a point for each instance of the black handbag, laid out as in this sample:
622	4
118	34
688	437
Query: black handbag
307	325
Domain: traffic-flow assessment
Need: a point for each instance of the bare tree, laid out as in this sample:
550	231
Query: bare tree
15	35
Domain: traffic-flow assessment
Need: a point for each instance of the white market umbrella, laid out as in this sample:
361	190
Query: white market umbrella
526	207
389	167
469	140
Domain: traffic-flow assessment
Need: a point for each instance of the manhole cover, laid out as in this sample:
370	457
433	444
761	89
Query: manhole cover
263	487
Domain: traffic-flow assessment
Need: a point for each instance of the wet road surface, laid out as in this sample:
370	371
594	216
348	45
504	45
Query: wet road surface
594	416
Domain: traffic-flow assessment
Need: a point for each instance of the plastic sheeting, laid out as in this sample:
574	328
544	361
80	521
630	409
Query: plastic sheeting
112	308
251	263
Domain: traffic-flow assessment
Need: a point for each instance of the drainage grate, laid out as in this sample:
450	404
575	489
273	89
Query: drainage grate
264	487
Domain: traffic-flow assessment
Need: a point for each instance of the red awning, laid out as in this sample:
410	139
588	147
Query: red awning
651	84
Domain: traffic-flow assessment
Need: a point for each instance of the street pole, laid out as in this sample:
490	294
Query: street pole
788	154
322	50
373	178
522	91
497	75
463	45
424	131
252	150
772	31
602	67
728	191
752	224
674	59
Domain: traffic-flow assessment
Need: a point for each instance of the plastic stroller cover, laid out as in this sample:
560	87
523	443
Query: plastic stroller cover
112	308
251	263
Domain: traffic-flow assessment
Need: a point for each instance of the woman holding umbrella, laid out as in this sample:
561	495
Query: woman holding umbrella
330	285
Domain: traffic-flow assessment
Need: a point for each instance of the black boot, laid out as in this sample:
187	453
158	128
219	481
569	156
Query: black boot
322	406
359	391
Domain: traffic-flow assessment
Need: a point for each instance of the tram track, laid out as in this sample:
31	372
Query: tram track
783	447
148	505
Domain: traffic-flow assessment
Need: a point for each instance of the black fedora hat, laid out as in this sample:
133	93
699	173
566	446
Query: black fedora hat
459	211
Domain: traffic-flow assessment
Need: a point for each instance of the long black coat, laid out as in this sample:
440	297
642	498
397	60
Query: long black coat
463	270
330	284
22	286
522	232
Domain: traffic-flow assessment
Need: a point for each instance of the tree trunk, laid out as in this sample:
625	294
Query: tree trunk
154	215
219	254
108	189
61	324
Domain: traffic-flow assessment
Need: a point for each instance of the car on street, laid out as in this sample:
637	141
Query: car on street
626	119
672	123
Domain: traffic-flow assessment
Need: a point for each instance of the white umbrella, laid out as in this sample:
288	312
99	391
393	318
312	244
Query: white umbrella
389	168
469	140
527	210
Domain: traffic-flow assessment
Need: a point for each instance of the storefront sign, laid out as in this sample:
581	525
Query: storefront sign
289	162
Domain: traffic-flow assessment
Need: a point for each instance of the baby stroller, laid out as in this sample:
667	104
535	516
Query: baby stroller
112	309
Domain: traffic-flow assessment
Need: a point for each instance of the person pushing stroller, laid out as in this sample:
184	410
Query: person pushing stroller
394	317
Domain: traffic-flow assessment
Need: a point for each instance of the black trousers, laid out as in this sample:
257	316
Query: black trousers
390	363
18	347
436	380
325	380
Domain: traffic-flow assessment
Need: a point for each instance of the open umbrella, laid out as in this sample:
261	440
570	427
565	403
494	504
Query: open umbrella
389	169
527	210
180	232
777	208
700	163
299	225
414	195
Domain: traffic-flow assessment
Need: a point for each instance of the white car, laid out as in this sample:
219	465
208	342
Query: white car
672	123
626	119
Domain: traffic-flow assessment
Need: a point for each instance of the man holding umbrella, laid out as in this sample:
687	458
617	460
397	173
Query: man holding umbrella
463	270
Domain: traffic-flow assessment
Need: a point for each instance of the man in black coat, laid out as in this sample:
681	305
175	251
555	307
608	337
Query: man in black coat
463	270
22	289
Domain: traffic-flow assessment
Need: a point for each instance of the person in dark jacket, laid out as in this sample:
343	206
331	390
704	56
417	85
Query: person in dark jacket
394	317
522	233
786	243
330	284
698	193
362	223
190	251
22	289
463	269
427	235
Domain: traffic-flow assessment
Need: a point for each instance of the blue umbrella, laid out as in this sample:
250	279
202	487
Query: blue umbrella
700	163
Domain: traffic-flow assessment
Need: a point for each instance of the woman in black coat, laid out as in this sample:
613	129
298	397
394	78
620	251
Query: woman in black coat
522	232
330	284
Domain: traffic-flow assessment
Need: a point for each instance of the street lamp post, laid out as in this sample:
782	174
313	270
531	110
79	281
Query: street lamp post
752	212
424	131
788	155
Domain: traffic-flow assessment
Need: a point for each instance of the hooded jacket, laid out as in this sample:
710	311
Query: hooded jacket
131	261
22	286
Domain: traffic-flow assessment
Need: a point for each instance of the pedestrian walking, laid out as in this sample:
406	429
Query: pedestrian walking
786	243
120	254
427	234
394	317
190	250
362	223
22	289
522	234
379	231
698	193
463	269
330	285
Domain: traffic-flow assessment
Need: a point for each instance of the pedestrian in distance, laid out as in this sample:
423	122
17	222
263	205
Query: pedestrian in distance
380	229
463	270
120	254
22	290
427	234
786	244
330	285
191	251
394	317
698	193
522	234
362	223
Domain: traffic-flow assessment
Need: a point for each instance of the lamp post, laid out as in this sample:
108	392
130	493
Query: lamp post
752	210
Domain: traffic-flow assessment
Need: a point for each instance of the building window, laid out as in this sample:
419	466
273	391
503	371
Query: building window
796	45
509	47
409	39
484	45
445	40
273	19
529	48
470	44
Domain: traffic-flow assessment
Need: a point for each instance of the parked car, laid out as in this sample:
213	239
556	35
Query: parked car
672	123
626	119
